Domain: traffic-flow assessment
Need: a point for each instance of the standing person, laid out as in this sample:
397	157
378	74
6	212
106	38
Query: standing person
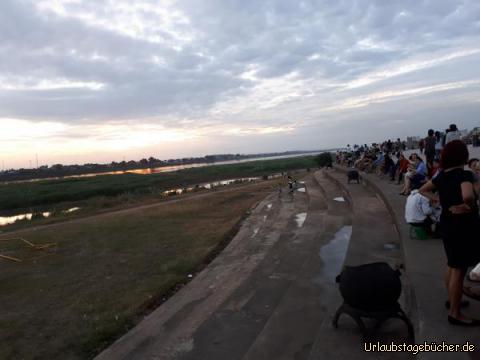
475	140
459	223
430	142
388	163
438	144
453	134
290	184
389	146
421	145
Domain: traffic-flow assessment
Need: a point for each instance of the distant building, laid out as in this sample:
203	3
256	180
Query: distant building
412	142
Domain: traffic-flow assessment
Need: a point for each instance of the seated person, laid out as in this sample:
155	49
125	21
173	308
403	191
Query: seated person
378	161
419	211
474	167
411	166
402	167
434	169
416	175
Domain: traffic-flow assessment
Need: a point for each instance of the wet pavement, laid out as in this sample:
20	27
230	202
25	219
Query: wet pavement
372	228
271	293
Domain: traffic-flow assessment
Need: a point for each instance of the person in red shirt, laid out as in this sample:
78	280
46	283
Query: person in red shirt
402	167
432	170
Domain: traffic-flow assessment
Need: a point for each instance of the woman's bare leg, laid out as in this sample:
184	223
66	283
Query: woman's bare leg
455	291
447	277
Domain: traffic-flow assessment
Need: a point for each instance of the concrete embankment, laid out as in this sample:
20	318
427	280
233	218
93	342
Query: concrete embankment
263	297
271	293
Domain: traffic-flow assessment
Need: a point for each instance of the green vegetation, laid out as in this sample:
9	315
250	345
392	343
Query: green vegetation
108	271
34	194
324	159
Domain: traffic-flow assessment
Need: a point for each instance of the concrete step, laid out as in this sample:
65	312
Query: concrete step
263	297
275	313
374	238
168	331
290	331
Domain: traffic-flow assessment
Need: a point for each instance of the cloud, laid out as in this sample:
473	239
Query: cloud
237	65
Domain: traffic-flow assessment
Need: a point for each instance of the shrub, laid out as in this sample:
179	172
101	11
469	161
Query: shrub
324	159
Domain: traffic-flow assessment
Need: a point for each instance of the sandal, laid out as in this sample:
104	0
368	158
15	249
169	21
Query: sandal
453	321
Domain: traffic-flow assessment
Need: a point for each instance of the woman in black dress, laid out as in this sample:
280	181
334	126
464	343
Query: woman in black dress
458	223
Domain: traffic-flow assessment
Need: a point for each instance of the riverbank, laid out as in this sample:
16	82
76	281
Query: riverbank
91	195
102	274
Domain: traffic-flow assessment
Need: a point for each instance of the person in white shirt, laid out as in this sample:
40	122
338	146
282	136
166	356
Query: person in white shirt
420	212
453	134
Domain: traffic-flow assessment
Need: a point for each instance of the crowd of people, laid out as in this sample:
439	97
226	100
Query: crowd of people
442	184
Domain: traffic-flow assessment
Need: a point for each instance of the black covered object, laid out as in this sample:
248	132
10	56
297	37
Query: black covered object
370	287
371	291
353	175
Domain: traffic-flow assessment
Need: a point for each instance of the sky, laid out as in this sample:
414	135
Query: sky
107	80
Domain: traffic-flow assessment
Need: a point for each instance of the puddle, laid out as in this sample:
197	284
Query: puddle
9	220
301	189
209	186
390	246
340	199
333	254
300	219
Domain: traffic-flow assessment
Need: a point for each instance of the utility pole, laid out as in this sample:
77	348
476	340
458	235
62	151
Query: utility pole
36	157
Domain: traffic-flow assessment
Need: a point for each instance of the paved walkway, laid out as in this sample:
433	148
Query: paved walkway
271	293
425	264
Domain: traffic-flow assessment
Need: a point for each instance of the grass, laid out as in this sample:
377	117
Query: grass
108	271
51	192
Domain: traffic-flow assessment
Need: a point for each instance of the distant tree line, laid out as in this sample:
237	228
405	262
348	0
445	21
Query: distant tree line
60	170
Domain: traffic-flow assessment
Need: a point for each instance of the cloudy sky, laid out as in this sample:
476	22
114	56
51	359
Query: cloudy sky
103	80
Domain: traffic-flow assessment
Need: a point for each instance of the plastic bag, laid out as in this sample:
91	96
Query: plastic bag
475	273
